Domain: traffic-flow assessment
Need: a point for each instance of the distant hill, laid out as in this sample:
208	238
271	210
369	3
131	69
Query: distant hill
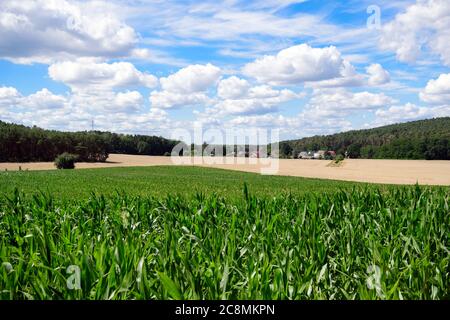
424	139
19	143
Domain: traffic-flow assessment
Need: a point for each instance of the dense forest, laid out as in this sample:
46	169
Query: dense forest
19	143
424	139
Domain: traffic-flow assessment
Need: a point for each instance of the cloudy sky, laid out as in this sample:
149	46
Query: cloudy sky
151	66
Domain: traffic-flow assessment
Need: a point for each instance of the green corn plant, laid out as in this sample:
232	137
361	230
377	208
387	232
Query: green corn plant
358	243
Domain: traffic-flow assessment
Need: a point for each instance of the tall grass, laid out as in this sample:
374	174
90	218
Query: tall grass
354	244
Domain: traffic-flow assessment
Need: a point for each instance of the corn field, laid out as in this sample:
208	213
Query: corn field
362	243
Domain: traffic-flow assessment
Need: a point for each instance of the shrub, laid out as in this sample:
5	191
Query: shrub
65	161
339	158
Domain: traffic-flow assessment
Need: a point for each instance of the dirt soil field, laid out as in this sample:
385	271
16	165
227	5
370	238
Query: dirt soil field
363	170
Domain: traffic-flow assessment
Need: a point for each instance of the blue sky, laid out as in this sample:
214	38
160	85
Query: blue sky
151	67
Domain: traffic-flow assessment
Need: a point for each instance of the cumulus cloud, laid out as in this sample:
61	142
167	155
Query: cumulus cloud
44	99
296	65
193	78
336	103
252	106
129	100
44	31
408	112
377	75
244	99
98	86
299	126
437	91
232	88
325	113
167	99
120	112
12	99
101	102
9	96
74	119
348	78
156	56
260	121
423	25
85	74
186	87
80	39
108	102
237	96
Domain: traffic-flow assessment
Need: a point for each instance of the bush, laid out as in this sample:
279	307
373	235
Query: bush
65	161
339	158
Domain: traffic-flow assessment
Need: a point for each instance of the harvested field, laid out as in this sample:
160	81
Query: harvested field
362	170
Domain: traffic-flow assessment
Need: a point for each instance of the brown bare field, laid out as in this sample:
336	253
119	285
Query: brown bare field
362	170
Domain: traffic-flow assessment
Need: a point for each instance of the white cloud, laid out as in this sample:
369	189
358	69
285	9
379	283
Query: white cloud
120	112
98	87
239	97
255	100
223	21
157	114
290	127
13	100
377	75
73	119
45	31
193	78
273	4
129	100
167	99
187	86
9	96
85	74
437	91
423	25
348	78
260	121
338	103
408	112
44	99
298	64
84	42
156	57
342	99
107	102
232	88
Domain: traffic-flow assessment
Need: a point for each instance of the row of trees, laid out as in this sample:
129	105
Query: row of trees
138	144
19	143
424	139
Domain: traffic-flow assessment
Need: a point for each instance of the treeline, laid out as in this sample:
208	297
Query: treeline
138	144
19	143
424	139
